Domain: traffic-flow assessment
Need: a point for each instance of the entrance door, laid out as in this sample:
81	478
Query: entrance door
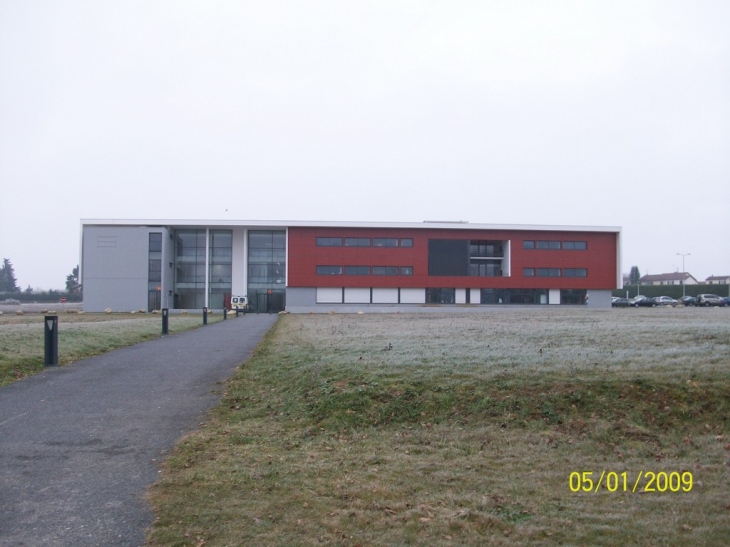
153	300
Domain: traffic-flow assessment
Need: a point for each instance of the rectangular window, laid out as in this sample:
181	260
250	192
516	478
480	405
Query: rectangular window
357	242
551	245
329	242
528	272
385	242
408	242
406	270
575	245
357	270
385	270
575	272
440	296
329	270
528	244
155	242
485	249
548	272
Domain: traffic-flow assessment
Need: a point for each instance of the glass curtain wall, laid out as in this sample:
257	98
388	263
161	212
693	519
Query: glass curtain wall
189	269
266	270
221	253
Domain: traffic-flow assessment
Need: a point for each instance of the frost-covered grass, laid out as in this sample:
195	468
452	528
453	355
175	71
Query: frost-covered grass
432	430
79	336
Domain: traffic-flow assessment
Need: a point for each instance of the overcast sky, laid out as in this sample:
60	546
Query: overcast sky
579	113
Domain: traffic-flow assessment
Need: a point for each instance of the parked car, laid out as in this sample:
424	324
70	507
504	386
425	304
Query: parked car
665	301
725	301
688	301
709	300
618	302
641	300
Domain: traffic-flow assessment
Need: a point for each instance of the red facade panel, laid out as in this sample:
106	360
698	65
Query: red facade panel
599	259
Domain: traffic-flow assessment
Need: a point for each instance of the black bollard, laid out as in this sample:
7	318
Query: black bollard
51	346
205	316
225	314
165	329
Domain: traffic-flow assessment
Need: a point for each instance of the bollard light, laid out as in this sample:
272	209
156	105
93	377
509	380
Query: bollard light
205	316
51	340
165	326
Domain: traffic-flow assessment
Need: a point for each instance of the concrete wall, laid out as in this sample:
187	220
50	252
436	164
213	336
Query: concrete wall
114	270
599	299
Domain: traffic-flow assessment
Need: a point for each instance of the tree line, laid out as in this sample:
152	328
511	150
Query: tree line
9	283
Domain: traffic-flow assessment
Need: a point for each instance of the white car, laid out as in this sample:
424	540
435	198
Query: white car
665	301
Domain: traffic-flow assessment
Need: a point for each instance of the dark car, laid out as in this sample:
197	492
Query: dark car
725	301
641	300
688	301
709	300
618	302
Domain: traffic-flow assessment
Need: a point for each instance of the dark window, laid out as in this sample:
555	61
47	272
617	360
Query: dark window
448	257
408	242
406	270
572	296
528	272
575	272
329	242
357	270
155	242
385	270
548	272
528	244
514	296
575	245
329	270
357	242
385	242
155	270
440	296
552	245
485	249
484	268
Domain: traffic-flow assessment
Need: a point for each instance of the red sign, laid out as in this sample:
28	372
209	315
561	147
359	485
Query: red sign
63	300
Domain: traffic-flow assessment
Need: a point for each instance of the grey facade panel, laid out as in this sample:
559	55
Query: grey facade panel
115	263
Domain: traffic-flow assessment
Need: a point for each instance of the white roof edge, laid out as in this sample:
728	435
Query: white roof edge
345	224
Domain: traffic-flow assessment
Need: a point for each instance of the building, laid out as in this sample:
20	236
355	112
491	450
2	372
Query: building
718	280
316	266
676	278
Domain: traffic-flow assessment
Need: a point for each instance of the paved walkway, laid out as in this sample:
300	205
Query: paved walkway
80	444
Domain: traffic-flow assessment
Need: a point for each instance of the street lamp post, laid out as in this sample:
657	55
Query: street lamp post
683	272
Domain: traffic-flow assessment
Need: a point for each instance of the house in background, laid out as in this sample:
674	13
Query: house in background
718	280
676	278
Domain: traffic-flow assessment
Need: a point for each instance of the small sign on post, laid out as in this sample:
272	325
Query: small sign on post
164	321
51	340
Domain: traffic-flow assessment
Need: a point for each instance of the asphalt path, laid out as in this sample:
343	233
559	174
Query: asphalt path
80	444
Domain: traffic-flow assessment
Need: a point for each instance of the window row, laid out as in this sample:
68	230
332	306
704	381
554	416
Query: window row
555	272
365	270
555	245
364	242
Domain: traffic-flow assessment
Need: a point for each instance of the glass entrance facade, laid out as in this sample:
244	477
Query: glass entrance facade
220	260
189	269
266	270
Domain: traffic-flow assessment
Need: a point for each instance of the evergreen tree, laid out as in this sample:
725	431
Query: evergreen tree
634	275
8	283
72	282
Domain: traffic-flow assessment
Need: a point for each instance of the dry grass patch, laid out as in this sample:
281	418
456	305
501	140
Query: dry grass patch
458	430
79	336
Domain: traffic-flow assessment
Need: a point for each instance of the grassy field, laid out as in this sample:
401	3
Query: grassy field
464	430
79	336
